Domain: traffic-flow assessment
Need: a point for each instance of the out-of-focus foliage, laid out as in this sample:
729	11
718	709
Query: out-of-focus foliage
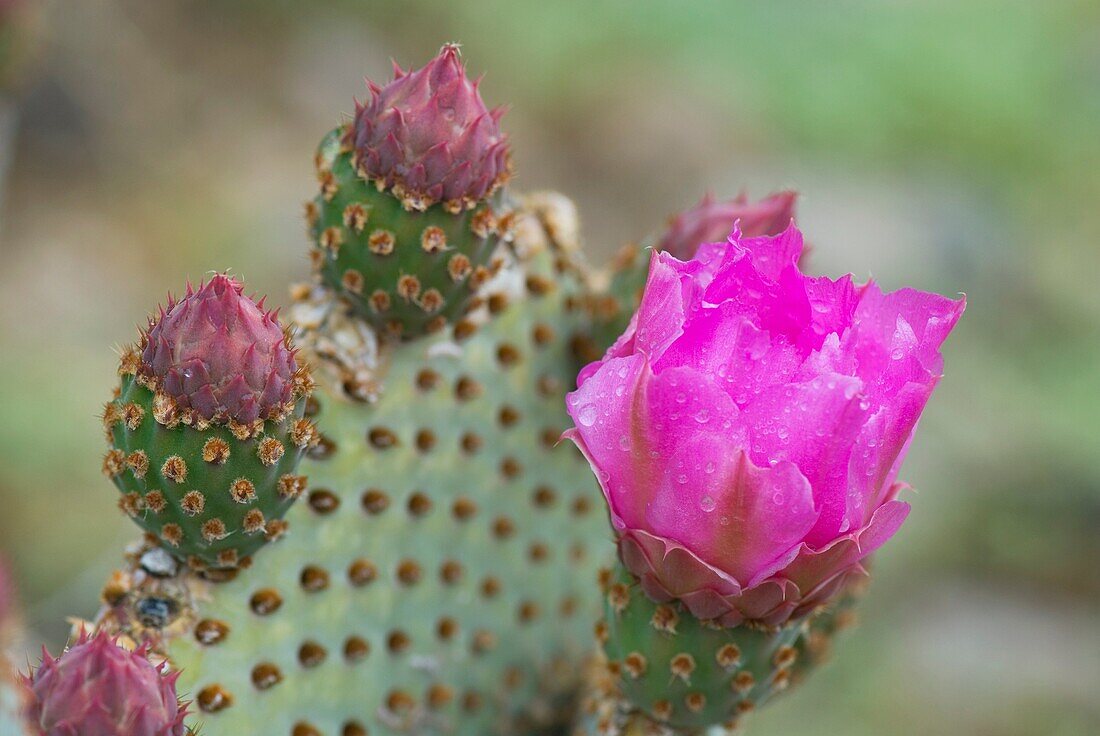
945	145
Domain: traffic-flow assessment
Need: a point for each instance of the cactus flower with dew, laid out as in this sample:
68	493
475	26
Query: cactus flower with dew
710	220
218	353
748	427
97	688
429	136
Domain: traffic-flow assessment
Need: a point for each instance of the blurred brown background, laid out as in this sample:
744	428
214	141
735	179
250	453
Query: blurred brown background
946	144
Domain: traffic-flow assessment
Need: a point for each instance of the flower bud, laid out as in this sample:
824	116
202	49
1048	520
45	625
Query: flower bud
748	427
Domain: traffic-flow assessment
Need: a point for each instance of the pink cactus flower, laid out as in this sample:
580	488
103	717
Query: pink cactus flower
97	688
748	427
711	219
217	352
429	135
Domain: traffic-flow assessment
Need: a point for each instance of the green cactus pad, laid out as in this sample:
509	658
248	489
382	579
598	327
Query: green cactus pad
406	272
441	576
212	496
684	672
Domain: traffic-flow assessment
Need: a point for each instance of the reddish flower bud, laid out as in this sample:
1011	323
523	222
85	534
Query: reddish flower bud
97	688
428	135
216	351
710	221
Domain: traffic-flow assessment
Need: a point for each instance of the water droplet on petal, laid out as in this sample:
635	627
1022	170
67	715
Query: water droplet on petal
587	415
707	504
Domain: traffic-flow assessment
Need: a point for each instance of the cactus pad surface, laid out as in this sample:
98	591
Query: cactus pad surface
440	576
687	673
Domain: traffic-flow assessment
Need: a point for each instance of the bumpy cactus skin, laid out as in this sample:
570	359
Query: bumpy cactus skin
441	576
210	497
683	672
407	272
665	672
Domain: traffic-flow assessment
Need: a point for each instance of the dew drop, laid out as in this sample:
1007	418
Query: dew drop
587	415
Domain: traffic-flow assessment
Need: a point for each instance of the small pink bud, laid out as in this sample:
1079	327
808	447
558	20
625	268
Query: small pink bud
748	427
97	688
711	220
429	135
217	352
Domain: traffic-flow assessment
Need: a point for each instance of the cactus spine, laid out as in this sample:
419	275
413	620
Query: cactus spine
206	431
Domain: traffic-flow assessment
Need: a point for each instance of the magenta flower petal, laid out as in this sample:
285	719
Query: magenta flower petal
601	425
748	427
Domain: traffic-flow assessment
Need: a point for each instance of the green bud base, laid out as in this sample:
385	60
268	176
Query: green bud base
686	673
211	498
407	273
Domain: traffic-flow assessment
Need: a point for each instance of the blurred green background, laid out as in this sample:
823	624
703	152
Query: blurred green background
949	145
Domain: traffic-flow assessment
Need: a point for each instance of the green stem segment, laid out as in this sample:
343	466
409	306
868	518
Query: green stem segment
406	272
690	675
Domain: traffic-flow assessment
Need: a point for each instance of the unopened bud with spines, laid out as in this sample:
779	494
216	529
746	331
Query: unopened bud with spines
411	207
97	688
207	429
